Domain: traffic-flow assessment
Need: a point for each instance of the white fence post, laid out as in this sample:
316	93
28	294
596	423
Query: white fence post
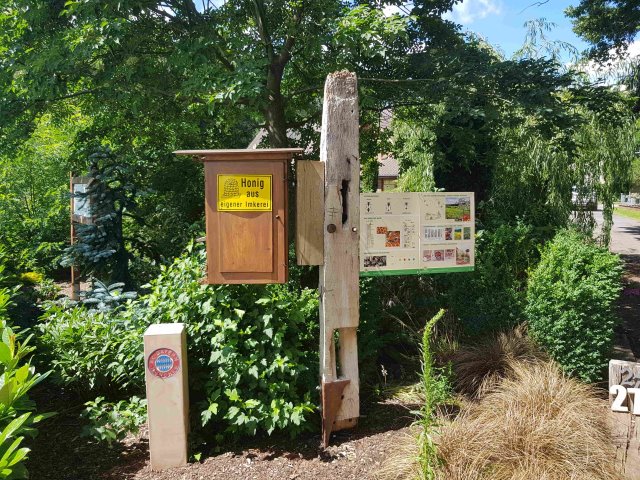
165	360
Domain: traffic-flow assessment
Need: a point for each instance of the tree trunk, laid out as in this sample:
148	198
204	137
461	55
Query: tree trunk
276	123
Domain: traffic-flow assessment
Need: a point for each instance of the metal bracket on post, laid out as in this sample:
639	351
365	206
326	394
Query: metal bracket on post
340	270
331	401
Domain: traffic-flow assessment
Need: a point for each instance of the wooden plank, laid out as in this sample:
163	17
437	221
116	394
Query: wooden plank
75	281
626	374
234	254
309	212
624	430
349	412
250	154
625	437
339	274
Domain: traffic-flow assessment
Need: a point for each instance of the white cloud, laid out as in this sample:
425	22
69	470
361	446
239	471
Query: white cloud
468	11
402	9
611	72
389	10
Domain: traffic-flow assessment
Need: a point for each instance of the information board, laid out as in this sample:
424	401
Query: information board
414	233
81	202
244	193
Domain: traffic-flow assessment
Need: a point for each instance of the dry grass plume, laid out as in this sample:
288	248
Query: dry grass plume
479	368
535	424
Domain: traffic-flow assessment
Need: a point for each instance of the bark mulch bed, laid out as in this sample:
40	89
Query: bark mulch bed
60	453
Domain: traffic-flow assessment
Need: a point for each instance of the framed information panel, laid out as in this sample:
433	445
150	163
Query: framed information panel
80	201
404	233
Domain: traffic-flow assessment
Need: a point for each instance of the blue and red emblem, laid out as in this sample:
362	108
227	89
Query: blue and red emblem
163	363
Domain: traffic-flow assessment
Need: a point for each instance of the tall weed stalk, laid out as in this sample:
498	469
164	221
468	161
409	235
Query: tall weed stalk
428	454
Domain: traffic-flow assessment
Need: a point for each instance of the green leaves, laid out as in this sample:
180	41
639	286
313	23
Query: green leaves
248	357
112	421
609	26
571	303
17	378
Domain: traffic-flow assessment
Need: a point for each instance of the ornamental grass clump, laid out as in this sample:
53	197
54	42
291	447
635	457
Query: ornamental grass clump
536	424
480	367
571	304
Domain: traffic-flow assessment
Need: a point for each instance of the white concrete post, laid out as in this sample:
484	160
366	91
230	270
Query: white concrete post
165	360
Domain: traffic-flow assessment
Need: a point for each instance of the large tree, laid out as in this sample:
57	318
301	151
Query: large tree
270	56
609	25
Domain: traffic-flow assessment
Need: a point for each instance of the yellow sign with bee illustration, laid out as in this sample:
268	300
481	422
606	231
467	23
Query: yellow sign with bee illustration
244	193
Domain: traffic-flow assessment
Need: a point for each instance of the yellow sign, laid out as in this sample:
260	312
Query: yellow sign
244	193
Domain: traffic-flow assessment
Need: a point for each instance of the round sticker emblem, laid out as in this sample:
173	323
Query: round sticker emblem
163	363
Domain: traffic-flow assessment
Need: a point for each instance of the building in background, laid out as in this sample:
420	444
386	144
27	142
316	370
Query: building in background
387	172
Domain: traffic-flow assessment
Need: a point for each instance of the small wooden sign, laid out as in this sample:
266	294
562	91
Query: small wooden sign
310	212
80	202
624	386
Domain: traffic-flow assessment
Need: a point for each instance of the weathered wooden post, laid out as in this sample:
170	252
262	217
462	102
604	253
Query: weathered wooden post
80	213
165	359
339	274
75	282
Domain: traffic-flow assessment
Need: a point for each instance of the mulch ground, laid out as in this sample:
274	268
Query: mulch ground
60	453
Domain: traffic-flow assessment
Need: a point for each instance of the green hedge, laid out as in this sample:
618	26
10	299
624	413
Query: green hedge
492	297
571	303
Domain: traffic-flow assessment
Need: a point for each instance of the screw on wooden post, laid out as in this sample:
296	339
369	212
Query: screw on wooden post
339	274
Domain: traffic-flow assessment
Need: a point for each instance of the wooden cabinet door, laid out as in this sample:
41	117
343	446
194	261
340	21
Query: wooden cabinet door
246	242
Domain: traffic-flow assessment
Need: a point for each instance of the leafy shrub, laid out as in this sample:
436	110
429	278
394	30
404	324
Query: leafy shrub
112	421
93	351
31	278
570	303
248	347
492	298
16	409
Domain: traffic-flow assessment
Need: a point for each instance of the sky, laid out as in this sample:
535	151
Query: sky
501	22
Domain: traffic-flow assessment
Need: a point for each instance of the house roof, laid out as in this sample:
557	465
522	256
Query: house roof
388	167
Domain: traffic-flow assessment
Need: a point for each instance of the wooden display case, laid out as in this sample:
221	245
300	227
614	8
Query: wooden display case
246	214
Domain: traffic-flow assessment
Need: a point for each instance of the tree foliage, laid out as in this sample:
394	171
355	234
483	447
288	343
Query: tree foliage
610	26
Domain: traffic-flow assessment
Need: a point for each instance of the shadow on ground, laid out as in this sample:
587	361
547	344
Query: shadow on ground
61	453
